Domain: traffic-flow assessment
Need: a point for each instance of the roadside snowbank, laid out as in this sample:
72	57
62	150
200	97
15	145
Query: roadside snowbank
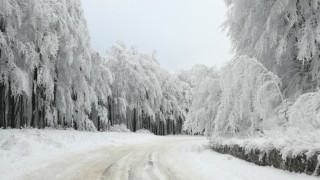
290	149
28	149
225	167
291	141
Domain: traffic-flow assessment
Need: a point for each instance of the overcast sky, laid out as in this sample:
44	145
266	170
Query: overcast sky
183	32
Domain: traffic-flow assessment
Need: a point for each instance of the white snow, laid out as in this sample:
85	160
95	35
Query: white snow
119	128
290	141
51	152
24	150
208	163
143	131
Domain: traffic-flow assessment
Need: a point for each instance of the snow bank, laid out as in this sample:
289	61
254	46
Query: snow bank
28	149
291	141
226	167
290	149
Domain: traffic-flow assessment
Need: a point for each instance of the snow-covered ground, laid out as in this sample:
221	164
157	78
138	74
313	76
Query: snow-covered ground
55	154
24	150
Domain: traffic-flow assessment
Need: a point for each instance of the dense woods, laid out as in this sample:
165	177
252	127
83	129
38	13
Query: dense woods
51	77
45	65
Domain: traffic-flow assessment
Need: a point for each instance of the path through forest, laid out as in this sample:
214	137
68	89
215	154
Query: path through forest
172	157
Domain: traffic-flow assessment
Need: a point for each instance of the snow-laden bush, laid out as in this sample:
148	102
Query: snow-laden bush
250	95
119	128
143	131
103	114
305	112
83	123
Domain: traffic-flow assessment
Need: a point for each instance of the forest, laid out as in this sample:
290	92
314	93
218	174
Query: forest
50	76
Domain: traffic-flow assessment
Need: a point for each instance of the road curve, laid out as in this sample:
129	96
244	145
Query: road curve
173	157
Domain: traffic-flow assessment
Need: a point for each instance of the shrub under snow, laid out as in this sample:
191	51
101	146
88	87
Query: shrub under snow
143	131
119	128
305	112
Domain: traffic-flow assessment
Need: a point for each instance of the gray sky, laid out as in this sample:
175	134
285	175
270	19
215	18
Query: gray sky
183	32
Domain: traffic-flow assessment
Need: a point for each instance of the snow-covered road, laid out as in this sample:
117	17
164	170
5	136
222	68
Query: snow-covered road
172	157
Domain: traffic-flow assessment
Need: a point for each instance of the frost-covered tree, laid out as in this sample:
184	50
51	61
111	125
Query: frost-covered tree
282	34
195	75
46	66
241	98
135	84
100	81
205	98
250	95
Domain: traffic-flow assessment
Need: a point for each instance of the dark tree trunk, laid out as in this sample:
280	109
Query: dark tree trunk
22	119
109	108
2	24
134	120
34	99
10	112
55	94
99	124
14	110
2	106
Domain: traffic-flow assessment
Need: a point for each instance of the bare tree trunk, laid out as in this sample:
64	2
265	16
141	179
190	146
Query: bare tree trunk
15	111
2	106
134	120
10	107
34	100
22	119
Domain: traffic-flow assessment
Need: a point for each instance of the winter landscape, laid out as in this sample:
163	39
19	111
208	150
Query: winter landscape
71	108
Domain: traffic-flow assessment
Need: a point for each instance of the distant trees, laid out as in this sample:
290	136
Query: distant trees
205	98
144	94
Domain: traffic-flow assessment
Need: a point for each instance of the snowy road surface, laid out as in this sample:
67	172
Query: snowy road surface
173	157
